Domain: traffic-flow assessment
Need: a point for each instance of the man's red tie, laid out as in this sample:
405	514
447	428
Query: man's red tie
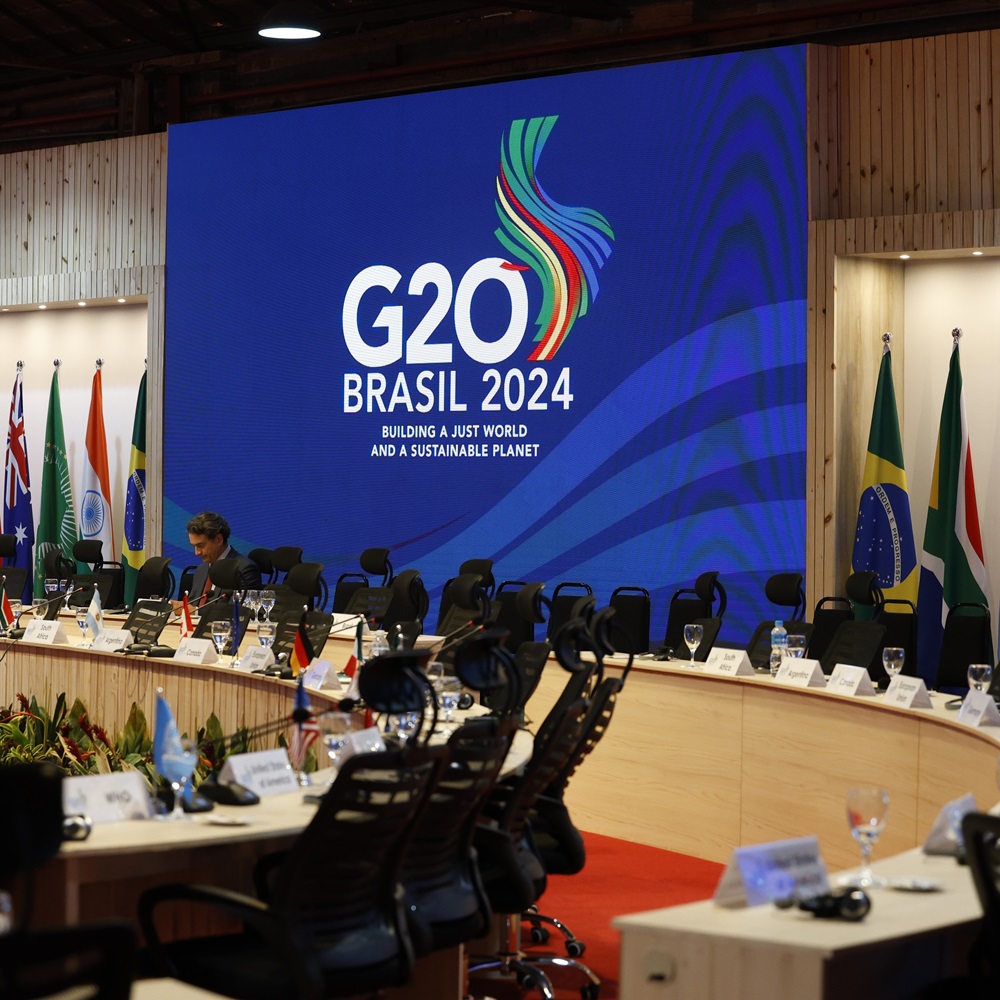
206	591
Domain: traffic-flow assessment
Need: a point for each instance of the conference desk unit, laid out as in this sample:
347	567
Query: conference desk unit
701	764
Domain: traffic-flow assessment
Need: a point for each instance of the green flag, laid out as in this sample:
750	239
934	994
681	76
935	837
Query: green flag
134	539
56	519
883	541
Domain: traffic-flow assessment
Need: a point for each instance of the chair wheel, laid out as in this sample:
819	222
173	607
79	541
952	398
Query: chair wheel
575	948
539	935
590	991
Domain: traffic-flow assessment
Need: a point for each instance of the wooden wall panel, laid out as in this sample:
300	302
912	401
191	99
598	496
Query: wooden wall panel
89	222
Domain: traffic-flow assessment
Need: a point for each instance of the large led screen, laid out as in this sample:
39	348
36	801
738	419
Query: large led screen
559	323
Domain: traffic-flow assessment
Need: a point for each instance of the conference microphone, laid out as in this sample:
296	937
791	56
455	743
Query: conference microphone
841	904
16	632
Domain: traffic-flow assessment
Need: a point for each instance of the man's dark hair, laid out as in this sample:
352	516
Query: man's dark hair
209	524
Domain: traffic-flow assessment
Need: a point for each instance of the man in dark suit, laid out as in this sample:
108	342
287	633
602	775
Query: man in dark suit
208	533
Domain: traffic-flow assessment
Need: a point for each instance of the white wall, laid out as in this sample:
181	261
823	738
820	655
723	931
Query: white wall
77	336
940	295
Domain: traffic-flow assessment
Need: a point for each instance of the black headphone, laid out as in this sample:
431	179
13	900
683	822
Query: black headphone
843	904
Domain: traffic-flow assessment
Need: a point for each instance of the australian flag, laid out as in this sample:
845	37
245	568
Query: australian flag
17	516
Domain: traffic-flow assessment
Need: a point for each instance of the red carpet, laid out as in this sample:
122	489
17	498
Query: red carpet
619	877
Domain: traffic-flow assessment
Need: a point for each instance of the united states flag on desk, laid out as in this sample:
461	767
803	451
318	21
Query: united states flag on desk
17	515
305	729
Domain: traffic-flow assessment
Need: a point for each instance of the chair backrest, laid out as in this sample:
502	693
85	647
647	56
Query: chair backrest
32	829
225	575
966	640
318	625
8	546
785	590
409	599
93	960
262	559
154	579
564	601
56	566
899	617
344	589
511	616
759	647
372	602
856	643
464	600
981	835
375	562
147	620
865	594
14	579
306	579
829	614
693	603
283	558
186	581
217	612
632	610
90	551
445	899
85	584
349	907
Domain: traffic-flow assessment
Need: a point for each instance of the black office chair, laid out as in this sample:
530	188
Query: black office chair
483	568
89	960
966	640
14	579
372	601
981	835
283	558
512	874
470	606
344	589
303	585
90	550
899	617
221	611
57	567
147	620
865	594
333	929
632	611
318	625
829	614
511	617
409	599
375	562
858	644
785	591
565	603
154	579
706	600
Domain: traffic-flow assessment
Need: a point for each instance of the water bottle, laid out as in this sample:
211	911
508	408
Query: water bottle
779	643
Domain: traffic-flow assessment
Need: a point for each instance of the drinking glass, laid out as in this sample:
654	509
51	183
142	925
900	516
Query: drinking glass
252	602
222	630
81	620
692	638
267	599
337	728
15	610
893	658
51	585
265	633
403	725
867	809
796	646
38	607
177	768
448	690
979	676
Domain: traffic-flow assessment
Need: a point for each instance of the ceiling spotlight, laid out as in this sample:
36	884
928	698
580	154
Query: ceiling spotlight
122	300
81	303
290	21
43	306
977	253
904	256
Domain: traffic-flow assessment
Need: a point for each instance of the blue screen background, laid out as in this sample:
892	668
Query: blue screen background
683	448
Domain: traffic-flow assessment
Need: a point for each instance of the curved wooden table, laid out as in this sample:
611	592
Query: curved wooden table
701	764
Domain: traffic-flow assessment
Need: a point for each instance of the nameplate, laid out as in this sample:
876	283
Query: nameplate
729	663
367	741
320	674
341	621
763	873
111	640
255	658
48	633
851	681
946	833
107	798
794	672
191	650
907	692
979	709
266	772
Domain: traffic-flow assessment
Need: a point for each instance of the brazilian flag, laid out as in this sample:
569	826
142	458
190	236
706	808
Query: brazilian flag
134	540
883	542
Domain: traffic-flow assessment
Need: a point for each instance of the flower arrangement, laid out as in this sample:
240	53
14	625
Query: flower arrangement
69	738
